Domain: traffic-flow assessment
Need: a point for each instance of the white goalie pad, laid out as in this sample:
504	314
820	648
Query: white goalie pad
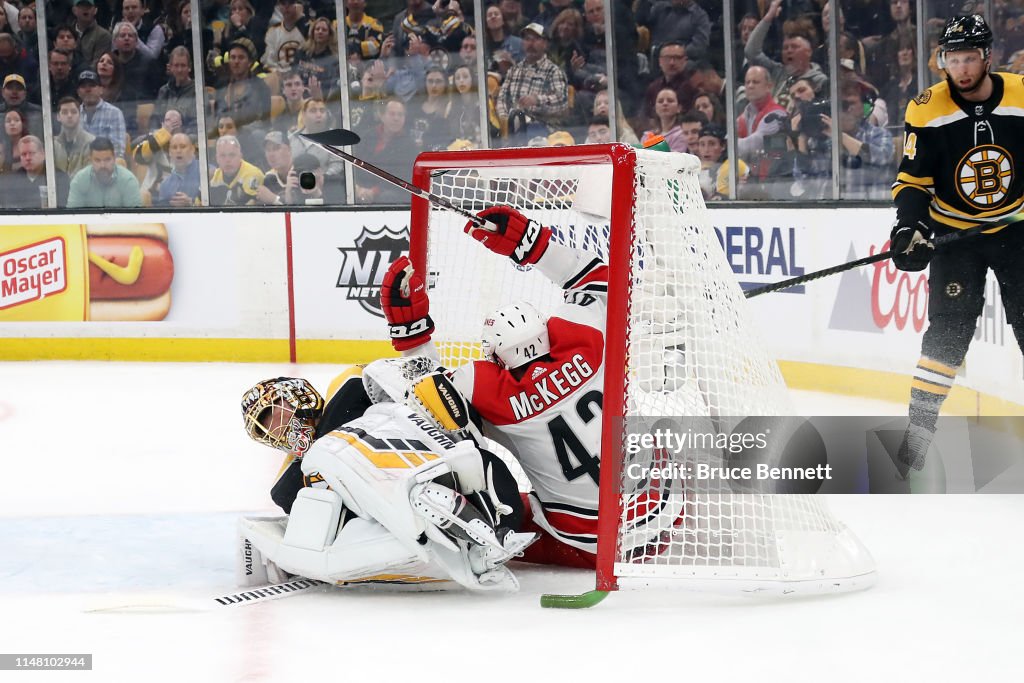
362	552
388	379
373	478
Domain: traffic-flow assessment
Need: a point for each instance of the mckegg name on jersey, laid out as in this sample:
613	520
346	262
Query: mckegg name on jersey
551	387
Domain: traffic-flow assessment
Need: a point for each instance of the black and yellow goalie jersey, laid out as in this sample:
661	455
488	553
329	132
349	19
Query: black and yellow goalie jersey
960	158
346	400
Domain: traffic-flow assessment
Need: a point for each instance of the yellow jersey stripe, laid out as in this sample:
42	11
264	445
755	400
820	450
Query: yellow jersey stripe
951	222
905	177
937	367
339	381
1003	211
931	388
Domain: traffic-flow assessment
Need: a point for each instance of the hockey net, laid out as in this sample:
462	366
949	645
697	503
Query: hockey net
679	343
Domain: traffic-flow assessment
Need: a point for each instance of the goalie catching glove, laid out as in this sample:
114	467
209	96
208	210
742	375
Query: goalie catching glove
403	297
513	235
912	246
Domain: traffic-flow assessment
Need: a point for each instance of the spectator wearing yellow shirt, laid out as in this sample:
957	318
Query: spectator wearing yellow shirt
235	181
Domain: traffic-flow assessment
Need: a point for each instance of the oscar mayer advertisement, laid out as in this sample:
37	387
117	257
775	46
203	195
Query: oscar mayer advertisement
80	272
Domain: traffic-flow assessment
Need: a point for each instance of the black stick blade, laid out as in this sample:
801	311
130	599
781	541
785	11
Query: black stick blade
339	137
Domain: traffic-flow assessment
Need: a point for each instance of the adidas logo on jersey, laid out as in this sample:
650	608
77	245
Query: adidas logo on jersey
558	384
537	372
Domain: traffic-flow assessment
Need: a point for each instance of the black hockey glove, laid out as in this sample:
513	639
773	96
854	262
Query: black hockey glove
912	246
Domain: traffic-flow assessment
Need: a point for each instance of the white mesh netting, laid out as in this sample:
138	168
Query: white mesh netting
691	350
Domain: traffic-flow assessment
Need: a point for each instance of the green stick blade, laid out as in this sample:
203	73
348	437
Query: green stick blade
588	599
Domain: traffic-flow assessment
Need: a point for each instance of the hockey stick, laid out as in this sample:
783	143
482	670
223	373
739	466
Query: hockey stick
271	592
881	256
248	596
331	140
582	601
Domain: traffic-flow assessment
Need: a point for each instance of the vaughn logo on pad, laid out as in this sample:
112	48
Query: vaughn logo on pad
32	272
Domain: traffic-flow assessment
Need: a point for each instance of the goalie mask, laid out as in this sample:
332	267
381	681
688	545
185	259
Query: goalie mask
514	335
293	430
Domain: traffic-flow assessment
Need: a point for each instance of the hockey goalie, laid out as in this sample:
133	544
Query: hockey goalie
385	484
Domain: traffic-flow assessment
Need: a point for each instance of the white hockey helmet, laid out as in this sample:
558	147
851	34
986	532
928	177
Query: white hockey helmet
514	335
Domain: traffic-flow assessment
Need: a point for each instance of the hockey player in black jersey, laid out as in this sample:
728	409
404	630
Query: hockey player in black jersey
963	138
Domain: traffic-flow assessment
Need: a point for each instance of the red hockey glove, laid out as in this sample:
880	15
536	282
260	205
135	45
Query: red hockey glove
403	296
516	236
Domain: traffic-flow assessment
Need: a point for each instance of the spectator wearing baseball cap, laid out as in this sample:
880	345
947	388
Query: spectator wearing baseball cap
278	152
15	97
93	40
99	117
244	97
561	138
536	86
12	60
714	172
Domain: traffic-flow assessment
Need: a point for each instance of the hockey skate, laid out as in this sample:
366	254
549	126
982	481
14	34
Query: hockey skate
914	448
485	557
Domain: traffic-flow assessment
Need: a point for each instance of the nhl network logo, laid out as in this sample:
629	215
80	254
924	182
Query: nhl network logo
363	266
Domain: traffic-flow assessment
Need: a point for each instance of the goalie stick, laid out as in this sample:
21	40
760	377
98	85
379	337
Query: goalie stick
248	596
264	593
874	258
332	140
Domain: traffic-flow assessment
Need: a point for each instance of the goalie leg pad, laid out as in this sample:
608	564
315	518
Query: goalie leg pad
253	566
314	519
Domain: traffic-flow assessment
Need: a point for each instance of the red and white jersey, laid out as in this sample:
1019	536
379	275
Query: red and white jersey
550	419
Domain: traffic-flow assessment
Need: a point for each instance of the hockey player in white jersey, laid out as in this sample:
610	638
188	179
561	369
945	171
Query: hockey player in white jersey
397	494
540	388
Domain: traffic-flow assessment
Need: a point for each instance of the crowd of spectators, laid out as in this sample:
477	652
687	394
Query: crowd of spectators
126	104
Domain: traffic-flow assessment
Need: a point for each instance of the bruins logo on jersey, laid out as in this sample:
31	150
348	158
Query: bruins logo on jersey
923	97
984	175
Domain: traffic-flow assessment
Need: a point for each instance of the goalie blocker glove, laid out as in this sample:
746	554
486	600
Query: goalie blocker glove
912	246
515	236
403	296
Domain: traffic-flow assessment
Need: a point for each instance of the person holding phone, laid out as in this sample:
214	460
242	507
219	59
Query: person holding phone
181	186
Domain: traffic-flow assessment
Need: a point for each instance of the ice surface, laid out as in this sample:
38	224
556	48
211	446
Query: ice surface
121	483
